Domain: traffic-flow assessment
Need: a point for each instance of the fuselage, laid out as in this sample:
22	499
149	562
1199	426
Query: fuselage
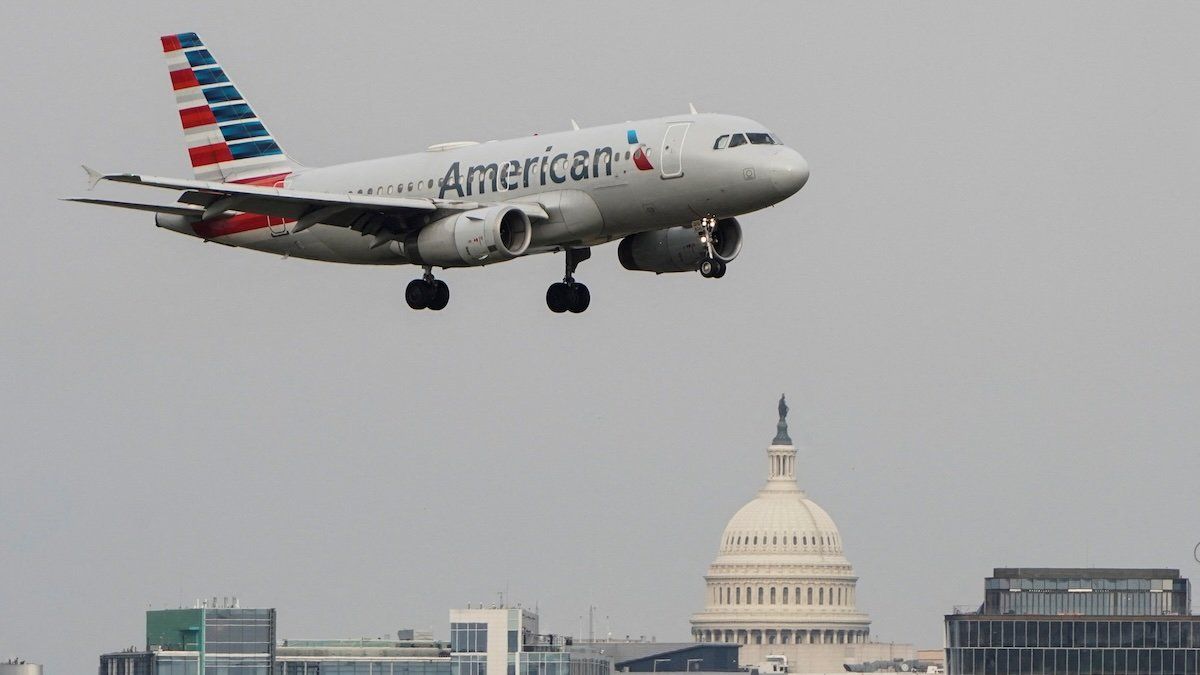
597	184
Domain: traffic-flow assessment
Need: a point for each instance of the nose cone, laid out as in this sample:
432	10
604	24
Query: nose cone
788	171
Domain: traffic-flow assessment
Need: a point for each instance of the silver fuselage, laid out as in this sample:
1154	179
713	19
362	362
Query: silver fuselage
588	181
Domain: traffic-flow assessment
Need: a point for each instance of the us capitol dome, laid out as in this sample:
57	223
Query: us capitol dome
781	585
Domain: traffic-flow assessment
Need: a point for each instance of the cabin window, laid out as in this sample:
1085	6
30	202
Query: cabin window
626	154
721	143
390	188
410	187
430	183
736	140
369	191
758	138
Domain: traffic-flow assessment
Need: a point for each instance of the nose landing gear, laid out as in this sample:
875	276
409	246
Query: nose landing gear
569	295
427	292
711	267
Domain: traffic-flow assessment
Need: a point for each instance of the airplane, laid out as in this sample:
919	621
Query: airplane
670	189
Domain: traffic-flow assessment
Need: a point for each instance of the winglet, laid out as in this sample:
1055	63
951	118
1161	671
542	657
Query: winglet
692	109
94	176
575	125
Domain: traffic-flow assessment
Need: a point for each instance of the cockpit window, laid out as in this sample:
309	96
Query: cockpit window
736	140
758	138
721	143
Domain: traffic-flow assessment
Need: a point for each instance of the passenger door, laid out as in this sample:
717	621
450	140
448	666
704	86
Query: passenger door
672	150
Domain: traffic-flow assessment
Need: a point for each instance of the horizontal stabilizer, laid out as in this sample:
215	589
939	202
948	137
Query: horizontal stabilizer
155	208
94	176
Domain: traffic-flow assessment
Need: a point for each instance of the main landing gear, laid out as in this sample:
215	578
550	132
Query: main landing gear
427	292
711	267
569	295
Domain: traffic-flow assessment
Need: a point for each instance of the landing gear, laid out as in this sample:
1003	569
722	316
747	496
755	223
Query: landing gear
427	292
569	295
711	267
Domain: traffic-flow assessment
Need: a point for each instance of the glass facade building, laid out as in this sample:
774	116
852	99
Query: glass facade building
1077	622
202	640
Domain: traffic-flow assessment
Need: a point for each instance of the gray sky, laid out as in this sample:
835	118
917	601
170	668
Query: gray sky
983	308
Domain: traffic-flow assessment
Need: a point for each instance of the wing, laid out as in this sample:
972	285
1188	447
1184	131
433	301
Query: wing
368	214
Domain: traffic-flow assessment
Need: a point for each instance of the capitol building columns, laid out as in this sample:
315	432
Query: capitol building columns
780	584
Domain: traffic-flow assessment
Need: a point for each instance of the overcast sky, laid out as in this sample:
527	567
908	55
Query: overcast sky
983	307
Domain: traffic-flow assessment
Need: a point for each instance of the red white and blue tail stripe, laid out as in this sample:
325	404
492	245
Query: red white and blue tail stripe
226	141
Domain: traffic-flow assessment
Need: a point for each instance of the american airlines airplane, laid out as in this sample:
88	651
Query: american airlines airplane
668	188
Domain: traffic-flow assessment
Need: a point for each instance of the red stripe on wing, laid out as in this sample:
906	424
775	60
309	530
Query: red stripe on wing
266	181
171	43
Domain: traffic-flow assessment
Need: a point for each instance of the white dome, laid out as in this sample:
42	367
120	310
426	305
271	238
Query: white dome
780	580
781	522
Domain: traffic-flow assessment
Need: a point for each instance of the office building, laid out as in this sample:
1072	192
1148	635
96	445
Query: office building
407	655
19	667
217	639
640	656
1077	622
506	641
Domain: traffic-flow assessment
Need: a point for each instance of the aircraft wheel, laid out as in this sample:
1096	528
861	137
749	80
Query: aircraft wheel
418	295
708	267
581	298
438	295
559	297
720	271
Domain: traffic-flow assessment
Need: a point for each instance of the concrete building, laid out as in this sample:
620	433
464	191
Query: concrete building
407	655
19	667
781	586
1077	622
506	641
640	656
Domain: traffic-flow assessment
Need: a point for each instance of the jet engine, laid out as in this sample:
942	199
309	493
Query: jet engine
678	249
477	237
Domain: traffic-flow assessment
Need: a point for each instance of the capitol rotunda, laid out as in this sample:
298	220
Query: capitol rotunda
781	584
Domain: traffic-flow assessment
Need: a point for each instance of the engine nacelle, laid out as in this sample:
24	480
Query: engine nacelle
678	249
478	237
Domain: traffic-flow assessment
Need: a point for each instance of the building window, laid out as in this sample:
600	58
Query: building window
820	596
772	595
760	595
785	595
810	595
739	595
468	637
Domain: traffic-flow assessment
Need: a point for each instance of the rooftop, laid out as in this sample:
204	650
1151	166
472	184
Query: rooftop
1083	573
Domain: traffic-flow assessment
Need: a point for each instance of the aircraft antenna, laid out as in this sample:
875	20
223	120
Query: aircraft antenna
692	109
575	125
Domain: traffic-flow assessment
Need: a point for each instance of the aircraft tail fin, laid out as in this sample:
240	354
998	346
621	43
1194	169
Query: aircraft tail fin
226	140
